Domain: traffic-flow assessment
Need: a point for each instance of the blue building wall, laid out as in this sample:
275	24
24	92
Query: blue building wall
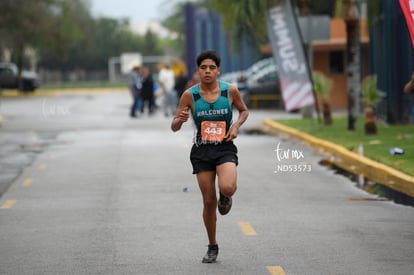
204	31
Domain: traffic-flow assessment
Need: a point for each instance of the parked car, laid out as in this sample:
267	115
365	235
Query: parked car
232	77
259	78
8	78
259	65
264	81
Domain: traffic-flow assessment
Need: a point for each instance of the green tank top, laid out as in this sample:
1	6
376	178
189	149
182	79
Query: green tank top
219	110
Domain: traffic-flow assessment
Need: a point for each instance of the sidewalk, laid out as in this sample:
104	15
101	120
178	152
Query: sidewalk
349	161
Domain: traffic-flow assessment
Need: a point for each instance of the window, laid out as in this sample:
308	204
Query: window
337	62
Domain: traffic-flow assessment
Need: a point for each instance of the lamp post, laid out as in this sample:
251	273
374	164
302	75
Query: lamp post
351	18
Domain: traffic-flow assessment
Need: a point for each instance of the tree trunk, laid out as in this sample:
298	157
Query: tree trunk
370	125
353	62
326	110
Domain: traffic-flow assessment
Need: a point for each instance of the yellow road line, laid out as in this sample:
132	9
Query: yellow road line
8	204
247	229
27	182
276	270
42	166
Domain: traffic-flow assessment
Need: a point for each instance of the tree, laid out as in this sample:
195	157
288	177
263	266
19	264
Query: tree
64	35
49	27
174	22
322	87
351	18
22	25
244	17
370	97
248	17
70	24
101	39
151	44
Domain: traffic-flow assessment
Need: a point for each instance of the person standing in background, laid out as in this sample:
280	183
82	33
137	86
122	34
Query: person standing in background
195	79
166	79
147	93
181	83
135	86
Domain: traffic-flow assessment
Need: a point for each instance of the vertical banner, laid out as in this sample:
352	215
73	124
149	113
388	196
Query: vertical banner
407	7
290	57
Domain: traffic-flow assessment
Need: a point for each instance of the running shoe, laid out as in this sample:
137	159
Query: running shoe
211	254
224	204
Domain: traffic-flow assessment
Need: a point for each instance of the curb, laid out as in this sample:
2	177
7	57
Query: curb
350	161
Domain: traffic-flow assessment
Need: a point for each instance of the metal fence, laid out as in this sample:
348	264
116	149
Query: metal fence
53	77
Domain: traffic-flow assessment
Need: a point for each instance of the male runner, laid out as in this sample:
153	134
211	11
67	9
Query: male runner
213	153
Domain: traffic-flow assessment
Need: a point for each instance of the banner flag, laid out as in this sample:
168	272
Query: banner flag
407	7
287	47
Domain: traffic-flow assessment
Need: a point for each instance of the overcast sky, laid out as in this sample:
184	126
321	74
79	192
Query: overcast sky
137	10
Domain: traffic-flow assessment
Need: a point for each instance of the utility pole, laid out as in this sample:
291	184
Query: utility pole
351	18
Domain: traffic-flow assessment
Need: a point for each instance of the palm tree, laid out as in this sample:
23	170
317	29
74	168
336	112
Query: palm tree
351	18
322	87
370	97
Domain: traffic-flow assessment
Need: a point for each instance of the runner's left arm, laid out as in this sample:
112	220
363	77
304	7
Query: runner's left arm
238	103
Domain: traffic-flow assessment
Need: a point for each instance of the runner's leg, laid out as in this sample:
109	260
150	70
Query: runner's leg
206	182
227	178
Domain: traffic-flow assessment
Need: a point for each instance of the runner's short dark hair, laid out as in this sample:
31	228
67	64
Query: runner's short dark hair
209	54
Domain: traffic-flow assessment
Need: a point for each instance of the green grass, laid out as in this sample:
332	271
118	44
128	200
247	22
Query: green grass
376	147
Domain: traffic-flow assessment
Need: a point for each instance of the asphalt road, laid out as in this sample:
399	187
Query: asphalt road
88	190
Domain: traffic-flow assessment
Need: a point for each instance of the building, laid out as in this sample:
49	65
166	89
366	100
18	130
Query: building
392	60
329	57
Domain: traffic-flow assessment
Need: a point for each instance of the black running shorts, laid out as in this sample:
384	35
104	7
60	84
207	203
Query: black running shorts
205	157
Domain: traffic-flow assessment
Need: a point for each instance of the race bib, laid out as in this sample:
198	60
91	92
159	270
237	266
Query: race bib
213	131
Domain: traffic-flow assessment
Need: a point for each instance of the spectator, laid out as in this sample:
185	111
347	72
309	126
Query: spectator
195	79
147	93
166	79
135	86
181	83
